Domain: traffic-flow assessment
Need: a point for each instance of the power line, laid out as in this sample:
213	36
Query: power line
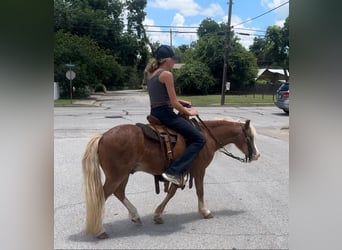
264	31
170	26
172	31
262	14
193	27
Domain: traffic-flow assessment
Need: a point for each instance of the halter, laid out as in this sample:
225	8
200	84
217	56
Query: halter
224	150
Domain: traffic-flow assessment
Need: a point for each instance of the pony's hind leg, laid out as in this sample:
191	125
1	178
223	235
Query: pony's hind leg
107	190
159	210
110	187
120	194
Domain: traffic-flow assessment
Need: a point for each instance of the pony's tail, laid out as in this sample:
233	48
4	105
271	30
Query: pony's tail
94	193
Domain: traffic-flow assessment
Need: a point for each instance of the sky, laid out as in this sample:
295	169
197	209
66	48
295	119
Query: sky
190	13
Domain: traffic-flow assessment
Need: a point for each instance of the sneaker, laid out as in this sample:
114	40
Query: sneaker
174	179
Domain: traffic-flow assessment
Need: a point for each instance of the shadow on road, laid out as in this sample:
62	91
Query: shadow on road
281	113
172	223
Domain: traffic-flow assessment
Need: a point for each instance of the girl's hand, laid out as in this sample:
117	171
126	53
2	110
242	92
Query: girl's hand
186	104
193	112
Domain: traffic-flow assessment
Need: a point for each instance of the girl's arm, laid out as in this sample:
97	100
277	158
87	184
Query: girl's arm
166	77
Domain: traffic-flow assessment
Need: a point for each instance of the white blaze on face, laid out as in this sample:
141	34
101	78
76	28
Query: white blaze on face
256	153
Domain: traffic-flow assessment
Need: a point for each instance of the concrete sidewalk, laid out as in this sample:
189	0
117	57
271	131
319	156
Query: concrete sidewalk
95	100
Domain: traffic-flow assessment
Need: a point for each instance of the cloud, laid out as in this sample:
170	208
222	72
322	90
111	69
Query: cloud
214	9
155	33
188	35
281	13
188	7
185	7
178	20
280	23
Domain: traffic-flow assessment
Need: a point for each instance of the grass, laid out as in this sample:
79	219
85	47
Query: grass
61	102
245	100
68	102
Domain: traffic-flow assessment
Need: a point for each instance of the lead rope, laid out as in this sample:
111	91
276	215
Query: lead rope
222	148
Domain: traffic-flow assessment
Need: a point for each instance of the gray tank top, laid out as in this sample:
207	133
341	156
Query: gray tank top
157	91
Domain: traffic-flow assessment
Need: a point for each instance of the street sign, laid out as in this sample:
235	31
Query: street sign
227	86
70	74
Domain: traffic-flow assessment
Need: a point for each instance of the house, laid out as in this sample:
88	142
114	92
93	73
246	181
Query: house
272	75
178	65
56	91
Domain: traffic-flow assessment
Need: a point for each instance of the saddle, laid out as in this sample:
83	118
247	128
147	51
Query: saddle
172	145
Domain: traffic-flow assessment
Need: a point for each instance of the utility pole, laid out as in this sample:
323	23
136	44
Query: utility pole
225	58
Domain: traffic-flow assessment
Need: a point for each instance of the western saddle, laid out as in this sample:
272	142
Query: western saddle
171	145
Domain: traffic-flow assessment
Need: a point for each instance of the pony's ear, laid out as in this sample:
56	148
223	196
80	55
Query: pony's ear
247	124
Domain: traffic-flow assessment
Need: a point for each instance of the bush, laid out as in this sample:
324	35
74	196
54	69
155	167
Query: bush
194	79
82	92
100	88
262	82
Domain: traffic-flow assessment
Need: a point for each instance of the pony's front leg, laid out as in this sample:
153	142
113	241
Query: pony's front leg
159	210
199	191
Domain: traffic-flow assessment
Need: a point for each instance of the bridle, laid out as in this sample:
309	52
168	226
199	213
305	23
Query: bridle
249	144
248	157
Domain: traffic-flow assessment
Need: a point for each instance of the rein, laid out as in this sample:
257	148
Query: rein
222	148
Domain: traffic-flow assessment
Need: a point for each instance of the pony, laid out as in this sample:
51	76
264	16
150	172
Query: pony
125	149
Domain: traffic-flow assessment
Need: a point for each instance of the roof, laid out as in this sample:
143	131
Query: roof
274	71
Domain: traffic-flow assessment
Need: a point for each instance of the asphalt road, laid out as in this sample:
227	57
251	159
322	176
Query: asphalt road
249	201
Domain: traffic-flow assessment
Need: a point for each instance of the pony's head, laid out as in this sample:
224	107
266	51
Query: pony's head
247	143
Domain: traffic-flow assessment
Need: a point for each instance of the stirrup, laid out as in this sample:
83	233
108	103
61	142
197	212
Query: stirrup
184	179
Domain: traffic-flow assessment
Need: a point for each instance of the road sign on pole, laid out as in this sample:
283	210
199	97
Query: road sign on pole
70	75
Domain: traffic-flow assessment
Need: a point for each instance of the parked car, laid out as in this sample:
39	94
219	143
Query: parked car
282	97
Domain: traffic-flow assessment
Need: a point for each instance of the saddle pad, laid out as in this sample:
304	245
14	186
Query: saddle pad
150	133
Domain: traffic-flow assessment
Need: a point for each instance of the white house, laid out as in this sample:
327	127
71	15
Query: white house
55	90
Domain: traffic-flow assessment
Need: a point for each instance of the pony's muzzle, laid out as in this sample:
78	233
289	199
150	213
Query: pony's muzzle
255	156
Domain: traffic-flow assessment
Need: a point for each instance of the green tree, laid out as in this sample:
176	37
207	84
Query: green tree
273	50
94	66
209	49
135	29
98	19
242	67
102	22
208	26
136	16
258	49
194	78
285	33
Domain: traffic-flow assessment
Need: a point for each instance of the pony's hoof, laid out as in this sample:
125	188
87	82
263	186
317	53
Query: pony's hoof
208	216
102	236
137	220
158	220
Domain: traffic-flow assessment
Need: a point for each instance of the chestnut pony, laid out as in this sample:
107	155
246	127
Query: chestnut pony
125	149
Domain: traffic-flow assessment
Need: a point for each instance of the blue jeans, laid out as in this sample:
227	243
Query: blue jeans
194	138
